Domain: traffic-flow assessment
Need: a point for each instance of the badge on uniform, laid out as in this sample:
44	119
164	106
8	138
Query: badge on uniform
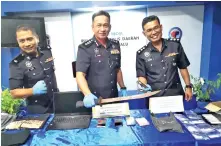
115	51
97	52
28	64
147	54
171	54
28	58
49	59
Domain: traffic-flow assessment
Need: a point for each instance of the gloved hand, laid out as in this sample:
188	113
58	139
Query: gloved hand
123	92
39	88
89	100
144	88
148	88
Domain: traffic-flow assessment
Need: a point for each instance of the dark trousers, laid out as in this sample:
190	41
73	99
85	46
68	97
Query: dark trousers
39	109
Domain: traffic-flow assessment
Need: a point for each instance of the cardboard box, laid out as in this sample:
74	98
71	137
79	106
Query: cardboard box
214	106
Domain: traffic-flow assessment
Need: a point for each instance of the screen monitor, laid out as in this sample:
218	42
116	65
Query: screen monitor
10	23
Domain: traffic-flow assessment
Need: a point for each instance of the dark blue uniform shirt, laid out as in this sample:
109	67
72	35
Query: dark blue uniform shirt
161	68
27	70
100	66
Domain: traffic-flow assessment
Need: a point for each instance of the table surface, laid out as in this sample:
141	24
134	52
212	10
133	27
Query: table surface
122	135
111	135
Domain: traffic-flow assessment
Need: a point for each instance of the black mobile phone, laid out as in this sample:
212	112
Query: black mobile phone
118	122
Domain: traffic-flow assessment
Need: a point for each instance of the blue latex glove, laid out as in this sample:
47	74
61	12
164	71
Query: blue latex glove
89	100
123	92
142	89
39	88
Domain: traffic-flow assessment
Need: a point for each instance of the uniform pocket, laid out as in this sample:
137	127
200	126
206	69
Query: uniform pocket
48	67
35	75
97	65
114	60
171	61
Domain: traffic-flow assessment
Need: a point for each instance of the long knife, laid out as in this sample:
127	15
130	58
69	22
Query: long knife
101	101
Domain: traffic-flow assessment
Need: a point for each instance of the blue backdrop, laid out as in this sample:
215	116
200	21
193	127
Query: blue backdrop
7	54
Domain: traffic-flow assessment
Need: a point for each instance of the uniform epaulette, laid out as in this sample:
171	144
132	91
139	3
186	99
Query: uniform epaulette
173	39
87	43
113	40
18	59
141	49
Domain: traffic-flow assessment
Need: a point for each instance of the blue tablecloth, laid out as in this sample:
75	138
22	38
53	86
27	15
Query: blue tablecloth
150	136
123	135
111	135
92	136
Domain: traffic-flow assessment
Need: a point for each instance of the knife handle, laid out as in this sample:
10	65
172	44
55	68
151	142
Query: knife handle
141	84
98	101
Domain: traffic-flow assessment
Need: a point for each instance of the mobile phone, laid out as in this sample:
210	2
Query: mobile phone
118	122
101	122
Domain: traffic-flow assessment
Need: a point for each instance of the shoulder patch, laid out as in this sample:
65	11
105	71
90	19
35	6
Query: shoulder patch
141	49
87	43
18	59
114	41
173	39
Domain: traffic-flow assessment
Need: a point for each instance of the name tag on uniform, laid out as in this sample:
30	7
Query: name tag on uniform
171	54
115	51
150	59
49	59
32	68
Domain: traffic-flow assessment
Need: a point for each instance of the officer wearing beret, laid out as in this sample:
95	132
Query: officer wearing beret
157	63
32	72
98	63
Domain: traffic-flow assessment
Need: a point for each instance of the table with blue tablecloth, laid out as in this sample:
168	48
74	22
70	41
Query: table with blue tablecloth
111	135
115	135
121	135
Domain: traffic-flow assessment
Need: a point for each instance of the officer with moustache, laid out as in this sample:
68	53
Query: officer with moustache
32	72
98	63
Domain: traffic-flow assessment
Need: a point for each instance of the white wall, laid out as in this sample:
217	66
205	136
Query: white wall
190	20
124	24
59	28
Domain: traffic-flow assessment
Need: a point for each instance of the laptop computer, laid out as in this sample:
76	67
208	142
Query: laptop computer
69	111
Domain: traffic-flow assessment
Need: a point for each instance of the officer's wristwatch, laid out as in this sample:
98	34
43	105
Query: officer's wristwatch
189	86
123	88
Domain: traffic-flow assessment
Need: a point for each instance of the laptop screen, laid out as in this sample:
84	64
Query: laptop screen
69	102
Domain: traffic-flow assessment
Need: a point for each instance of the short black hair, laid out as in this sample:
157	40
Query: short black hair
26	27
99	13
149	19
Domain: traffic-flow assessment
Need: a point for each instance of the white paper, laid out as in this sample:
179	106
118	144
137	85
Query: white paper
166	104
212	119
111	110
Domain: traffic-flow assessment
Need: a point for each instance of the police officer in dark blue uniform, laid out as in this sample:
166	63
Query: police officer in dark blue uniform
32	72
98	63
157	62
